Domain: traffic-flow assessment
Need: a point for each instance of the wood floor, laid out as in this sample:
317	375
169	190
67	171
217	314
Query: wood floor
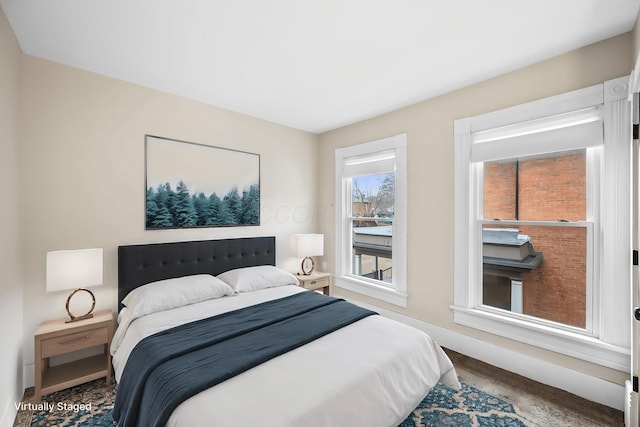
542	405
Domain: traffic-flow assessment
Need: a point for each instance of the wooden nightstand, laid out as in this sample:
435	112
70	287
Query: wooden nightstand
316	281
55	337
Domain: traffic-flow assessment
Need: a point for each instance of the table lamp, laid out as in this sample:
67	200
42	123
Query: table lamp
306	246
75	269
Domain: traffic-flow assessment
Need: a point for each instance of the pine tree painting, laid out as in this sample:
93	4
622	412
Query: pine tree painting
194	185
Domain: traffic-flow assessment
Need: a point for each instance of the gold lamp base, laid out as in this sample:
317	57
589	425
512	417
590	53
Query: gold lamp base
88	314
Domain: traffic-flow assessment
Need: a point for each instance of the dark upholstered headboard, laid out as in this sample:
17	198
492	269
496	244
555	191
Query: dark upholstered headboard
141	264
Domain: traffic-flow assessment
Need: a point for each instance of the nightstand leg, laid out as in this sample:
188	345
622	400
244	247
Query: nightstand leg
109	364
39	372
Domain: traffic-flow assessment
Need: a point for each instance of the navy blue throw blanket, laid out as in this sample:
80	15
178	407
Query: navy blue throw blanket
167	368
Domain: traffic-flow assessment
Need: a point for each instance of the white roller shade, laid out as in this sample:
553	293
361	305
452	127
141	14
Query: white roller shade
369	164
562	132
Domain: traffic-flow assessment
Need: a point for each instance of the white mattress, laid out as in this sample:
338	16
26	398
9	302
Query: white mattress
371	373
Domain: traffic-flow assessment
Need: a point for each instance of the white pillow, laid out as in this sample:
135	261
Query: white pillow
172	293
259	277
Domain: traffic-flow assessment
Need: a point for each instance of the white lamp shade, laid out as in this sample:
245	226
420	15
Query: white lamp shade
304	245
74	269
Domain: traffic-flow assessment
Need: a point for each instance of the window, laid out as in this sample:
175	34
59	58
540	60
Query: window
371	219
537	239
542	249
372	214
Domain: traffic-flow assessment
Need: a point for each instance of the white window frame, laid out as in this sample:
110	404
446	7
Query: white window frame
396	292
606	340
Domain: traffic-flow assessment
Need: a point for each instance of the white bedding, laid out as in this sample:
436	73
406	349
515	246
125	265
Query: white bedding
370	373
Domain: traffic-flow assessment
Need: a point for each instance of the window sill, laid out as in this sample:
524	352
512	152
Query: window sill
372	290
580	346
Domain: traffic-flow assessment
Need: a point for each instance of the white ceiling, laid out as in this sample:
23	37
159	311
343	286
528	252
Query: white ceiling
310	64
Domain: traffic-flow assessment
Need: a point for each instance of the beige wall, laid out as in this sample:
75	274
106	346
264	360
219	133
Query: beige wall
11	280
81	177
429	128
636	40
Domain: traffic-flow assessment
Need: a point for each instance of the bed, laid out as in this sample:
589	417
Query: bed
372	372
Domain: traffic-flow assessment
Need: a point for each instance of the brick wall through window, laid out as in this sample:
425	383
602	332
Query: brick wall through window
546	188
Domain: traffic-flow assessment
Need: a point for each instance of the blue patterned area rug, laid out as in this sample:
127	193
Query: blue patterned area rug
466	407
70	407
443	406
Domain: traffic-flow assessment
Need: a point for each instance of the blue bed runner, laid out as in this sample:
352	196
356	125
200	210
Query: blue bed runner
167	368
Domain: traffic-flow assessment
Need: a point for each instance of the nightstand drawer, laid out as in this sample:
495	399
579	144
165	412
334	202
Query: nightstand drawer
316	283
72	342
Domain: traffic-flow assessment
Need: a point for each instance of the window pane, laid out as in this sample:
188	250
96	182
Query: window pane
373	196
549	187
540	271
374	267
373	201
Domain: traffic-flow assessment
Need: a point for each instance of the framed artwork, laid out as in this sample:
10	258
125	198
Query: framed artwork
195	185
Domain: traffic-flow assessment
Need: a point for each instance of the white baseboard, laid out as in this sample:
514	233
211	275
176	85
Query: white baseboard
28	375
578	383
